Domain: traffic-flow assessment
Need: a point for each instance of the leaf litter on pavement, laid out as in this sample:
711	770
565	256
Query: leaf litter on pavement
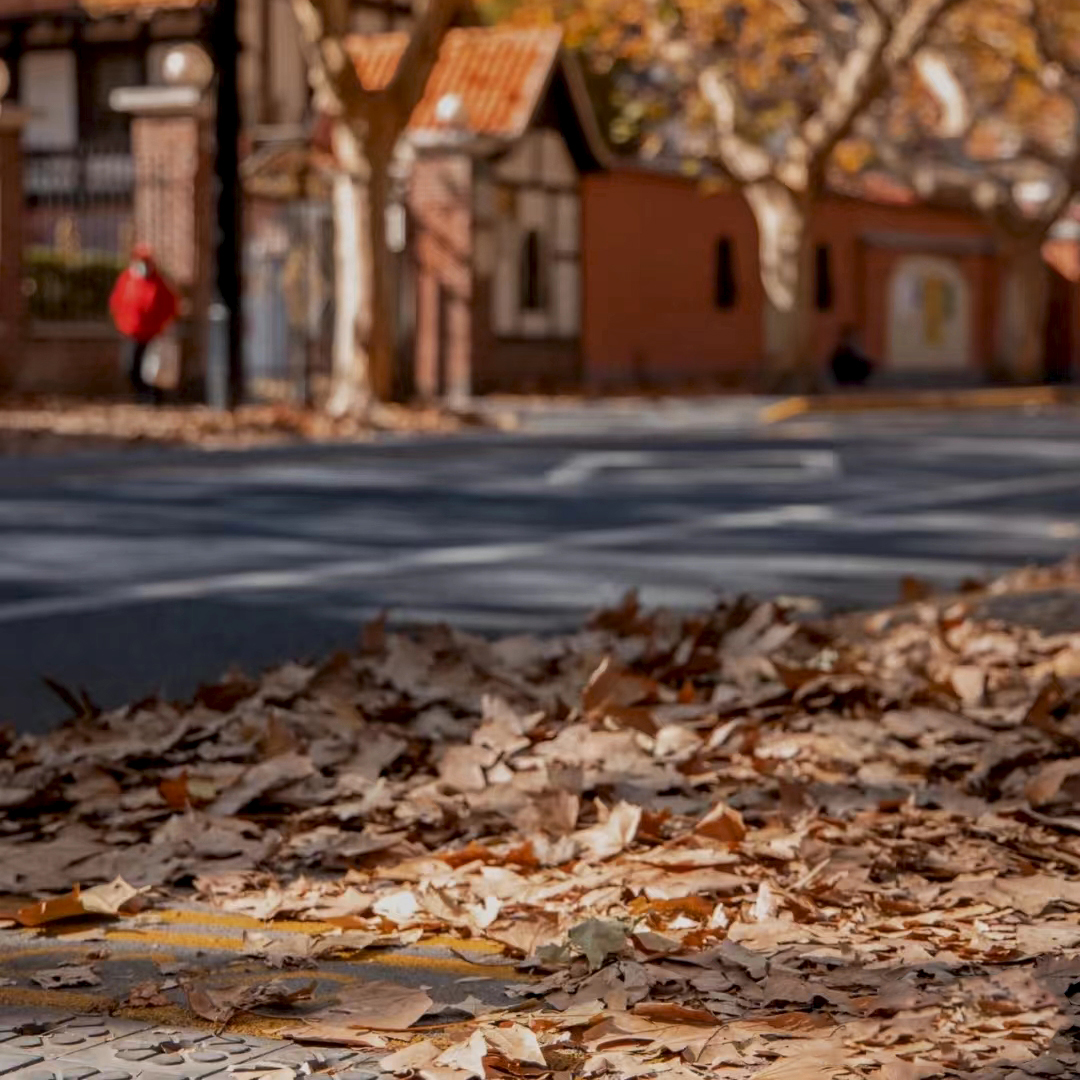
740	843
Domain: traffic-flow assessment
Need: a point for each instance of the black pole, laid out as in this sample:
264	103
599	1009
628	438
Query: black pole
226	50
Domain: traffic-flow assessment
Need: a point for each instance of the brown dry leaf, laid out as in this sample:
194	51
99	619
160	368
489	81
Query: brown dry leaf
376	1005
516	1043
612	835
466	1058
220	1004
108	899
913	590
327	1033
100	900
146	995
410	1059
805	1068
969	682
462	767
668	1012
1044	786
261	779
613	686
723	824
762	836
66	975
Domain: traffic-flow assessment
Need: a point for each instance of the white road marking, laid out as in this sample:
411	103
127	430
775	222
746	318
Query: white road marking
750	466
323	573
581	467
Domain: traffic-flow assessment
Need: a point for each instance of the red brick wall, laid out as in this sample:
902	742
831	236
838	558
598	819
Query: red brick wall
649	305
440	210
649	313
519	365
83	362
11	244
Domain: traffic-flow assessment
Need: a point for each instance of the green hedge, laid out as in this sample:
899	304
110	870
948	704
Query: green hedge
70	287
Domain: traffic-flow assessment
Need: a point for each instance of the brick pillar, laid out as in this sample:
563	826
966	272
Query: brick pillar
12	304
172	157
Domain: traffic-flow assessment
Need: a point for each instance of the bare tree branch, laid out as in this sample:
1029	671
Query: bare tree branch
332	73
742	159
421	55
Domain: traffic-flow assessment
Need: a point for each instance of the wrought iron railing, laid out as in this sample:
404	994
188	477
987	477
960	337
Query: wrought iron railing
78	229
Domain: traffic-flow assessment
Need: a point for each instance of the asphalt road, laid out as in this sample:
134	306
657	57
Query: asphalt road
153	571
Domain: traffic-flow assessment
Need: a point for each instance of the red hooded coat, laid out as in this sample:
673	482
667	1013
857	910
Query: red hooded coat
142	307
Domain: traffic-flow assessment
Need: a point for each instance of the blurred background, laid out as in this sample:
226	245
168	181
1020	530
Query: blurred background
680	295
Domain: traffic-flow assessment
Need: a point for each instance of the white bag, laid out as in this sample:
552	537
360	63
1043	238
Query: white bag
161	364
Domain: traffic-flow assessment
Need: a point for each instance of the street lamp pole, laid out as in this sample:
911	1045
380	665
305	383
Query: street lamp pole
225	46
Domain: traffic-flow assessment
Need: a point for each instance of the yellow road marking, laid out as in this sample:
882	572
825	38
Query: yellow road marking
55	999
784	410
869	401
214	943
64	950
295	926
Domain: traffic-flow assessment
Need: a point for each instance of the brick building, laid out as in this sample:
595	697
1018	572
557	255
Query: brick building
538	262
503	139
533	260
673	295
78	172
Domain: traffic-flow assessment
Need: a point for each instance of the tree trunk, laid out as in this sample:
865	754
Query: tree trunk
786	257
350	388
383	325
365	330
1023	345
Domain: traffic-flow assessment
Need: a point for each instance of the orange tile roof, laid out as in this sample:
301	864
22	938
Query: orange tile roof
500	75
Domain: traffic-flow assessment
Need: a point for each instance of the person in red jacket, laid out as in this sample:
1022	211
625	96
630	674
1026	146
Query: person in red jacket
143	304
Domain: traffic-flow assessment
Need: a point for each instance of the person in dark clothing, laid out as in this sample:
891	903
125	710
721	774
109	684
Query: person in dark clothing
849	364
143	304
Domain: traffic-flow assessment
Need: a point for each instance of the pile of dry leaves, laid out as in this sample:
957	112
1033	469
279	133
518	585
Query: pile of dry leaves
731	844
48	426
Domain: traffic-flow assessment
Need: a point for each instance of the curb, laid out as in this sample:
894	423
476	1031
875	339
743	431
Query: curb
915	400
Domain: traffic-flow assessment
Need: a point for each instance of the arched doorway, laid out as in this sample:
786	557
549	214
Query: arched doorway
929	316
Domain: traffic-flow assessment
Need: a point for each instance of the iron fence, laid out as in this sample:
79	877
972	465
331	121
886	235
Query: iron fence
78	230
85	208
288	301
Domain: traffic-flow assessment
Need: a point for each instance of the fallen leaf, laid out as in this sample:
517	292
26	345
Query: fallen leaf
467	1057
108	899
377	1005
722	823
66	975
598	939
220	1004
1044	786
516	1043
611	836
409	1059
146	995
260	780
99	900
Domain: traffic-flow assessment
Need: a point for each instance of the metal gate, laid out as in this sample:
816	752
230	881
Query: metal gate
288	301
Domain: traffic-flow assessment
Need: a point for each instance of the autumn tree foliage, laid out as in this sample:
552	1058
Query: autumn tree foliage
988	119
367	125
764	90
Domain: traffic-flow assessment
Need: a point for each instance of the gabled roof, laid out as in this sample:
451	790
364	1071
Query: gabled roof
500	76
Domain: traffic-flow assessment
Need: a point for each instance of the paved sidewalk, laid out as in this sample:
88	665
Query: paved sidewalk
49	1044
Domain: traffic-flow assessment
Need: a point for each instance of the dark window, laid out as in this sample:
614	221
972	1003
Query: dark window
823	283
533	291
727	294
104	71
